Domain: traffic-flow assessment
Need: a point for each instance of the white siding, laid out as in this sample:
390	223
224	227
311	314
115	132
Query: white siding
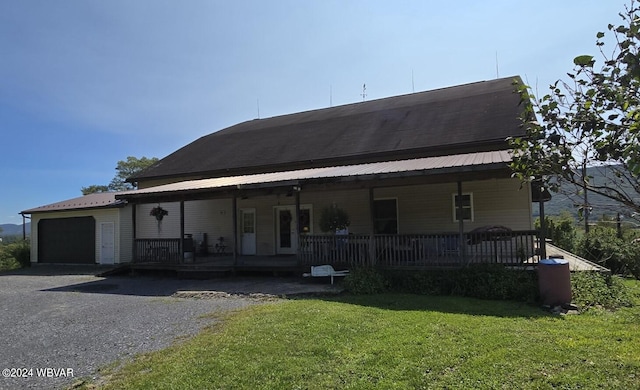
124	235
148	227
213	217
429	208
354	202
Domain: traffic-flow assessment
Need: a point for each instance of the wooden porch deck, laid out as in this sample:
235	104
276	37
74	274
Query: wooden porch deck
224	264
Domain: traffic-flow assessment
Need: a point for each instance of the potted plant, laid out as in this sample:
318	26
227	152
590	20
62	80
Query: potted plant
333	219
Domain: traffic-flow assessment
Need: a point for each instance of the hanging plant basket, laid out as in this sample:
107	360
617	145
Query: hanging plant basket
158	212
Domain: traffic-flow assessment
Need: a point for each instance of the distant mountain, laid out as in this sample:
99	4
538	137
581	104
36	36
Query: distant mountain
568	199
10	229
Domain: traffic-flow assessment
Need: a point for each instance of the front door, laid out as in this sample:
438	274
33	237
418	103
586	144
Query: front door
248	231
286	237
107	239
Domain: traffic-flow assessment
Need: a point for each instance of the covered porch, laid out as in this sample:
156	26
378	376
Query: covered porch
432	225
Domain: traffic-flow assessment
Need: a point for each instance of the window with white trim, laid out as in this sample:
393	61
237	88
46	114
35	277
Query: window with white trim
466	201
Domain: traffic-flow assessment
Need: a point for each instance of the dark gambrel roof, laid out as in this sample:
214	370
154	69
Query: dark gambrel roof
466	118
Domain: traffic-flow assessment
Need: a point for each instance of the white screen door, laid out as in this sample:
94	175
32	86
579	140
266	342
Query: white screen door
248	231
107	239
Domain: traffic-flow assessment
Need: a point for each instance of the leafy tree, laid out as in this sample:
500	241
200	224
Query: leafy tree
593	119
124	170
561	229
92	189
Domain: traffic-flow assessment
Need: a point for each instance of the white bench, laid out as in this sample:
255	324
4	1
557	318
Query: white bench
325	270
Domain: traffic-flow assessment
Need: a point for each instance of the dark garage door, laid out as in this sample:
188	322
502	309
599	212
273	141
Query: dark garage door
67	240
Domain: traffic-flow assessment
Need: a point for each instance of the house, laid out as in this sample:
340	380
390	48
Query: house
416	174
423	178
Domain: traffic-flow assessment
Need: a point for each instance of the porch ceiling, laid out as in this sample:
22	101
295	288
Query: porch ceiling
478	164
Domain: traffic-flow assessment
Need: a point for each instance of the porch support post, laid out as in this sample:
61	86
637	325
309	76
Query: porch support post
298	227
134	248
182	231
24	227
372	232
234	215
461	224
543	228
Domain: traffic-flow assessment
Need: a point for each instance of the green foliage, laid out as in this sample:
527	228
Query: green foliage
602	245
561	230
488	281
365	280
15	255
94	188
478	281
124	170
592	119
591	289
333	218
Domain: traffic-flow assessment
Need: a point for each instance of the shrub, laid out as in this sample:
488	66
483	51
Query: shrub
591	289
488	281
366	280
603	246
333	218
478	281
561	230
632	264
15	255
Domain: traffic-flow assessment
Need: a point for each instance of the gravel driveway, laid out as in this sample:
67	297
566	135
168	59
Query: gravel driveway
79	322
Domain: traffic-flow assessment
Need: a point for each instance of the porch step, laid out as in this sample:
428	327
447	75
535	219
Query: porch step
203	274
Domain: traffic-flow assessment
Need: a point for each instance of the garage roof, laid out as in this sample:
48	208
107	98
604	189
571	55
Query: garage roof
91	201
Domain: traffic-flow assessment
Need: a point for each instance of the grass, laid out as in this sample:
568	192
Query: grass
398	341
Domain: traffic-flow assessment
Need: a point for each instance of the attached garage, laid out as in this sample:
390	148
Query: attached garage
93	229
67	240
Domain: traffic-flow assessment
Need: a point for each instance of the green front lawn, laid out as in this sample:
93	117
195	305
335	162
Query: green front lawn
398	341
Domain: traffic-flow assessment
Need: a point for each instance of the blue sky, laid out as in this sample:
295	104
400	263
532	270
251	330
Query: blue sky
86	83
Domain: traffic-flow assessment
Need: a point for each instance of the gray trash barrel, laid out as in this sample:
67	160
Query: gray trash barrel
554	281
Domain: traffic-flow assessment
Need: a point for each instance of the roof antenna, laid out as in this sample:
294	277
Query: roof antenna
330	95
497	72
413	87
364	91
258	103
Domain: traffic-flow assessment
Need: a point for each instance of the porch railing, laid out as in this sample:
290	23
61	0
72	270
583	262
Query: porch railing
353	249
420	250
157	250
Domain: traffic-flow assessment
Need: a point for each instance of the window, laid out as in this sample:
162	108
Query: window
305	220
385	216
466	201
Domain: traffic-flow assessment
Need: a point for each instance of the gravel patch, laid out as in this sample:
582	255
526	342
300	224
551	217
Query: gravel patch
80	322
